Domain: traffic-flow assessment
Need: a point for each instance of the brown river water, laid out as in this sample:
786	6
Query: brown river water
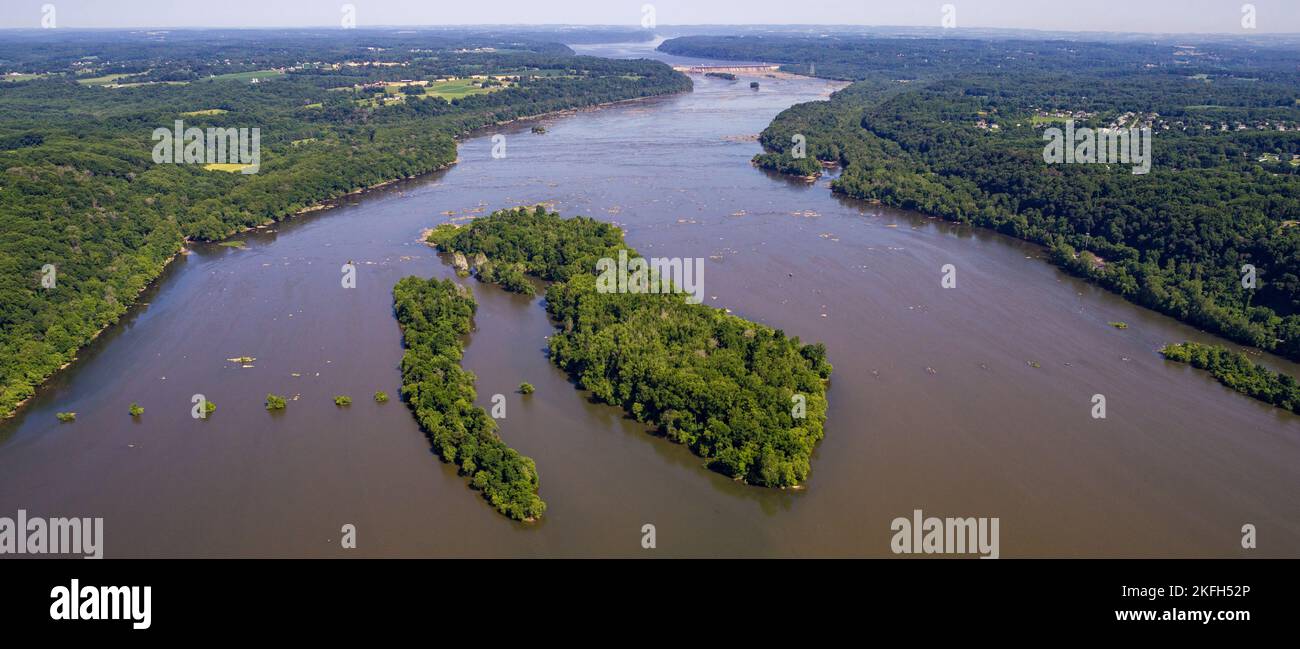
935	403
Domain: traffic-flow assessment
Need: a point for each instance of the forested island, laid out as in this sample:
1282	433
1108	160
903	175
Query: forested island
434	315
1237	371
746	397
90	219
954	128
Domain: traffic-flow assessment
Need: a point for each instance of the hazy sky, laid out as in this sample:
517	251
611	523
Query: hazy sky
1160	16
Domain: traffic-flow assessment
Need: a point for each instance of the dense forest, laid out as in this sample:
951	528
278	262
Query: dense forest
90	219
955	128
858	57
748	398
434	316
1237	371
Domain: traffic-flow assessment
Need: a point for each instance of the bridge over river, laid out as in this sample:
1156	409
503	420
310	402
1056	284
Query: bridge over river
702	69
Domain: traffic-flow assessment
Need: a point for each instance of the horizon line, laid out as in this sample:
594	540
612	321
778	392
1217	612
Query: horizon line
629	28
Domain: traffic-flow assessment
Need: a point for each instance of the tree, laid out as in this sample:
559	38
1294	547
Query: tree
274	402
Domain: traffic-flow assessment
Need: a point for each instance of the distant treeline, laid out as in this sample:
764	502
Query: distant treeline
434	316
746	397
854	57
186	54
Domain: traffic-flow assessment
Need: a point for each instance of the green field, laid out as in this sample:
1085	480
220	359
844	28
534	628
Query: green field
225	166
248	76
149	83
458	88
210	111
447	89
101	81
540	72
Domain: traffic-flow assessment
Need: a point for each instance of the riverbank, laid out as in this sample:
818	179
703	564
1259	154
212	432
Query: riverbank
126	310
318	206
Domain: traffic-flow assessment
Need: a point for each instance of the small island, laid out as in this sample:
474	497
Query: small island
806	167
434	315
1237	371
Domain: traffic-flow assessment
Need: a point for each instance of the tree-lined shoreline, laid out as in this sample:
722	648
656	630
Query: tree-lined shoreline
954	128
93	206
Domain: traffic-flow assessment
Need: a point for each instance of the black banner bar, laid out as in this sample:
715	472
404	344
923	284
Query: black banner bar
1117	598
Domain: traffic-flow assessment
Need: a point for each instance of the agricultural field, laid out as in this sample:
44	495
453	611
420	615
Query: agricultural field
20	77
448	89
248	76
457	88
101	80
230	167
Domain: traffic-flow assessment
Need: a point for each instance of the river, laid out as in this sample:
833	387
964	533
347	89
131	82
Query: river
968	401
